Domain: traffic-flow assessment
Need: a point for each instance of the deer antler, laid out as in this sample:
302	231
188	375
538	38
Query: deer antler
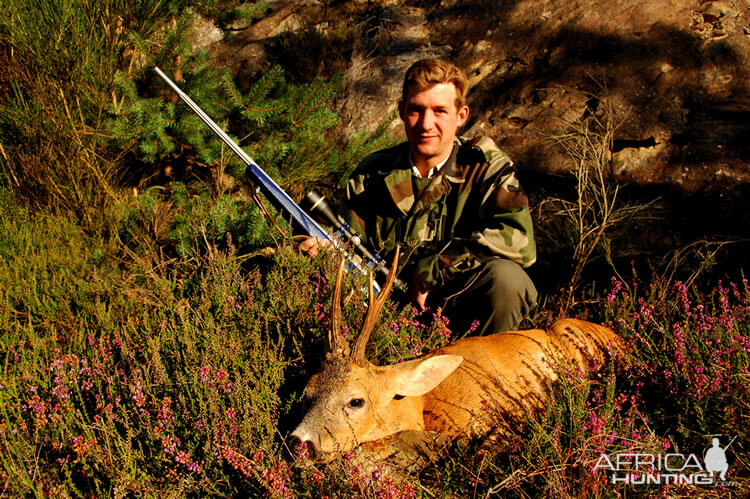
335	344
373	310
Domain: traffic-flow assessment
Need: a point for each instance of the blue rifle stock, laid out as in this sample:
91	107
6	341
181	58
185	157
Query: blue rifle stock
283	202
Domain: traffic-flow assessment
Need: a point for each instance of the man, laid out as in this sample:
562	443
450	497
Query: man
455	205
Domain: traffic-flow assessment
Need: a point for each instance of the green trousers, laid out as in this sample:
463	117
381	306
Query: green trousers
491	299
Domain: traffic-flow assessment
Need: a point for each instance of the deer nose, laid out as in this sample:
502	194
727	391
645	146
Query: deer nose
301	449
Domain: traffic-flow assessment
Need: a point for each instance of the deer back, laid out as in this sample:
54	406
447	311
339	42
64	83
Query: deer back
508	374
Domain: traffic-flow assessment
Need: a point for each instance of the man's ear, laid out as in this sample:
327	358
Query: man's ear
463	114
417	377
401	109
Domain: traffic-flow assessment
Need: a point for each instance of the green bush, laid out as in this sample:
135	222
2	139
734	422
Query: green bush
61	58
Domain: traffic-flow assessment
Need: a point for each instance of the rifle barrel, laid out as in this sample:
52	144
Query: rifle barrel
270	189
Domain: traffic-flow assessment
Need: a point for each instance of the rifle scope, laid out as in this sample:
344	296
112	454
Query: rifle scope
317	206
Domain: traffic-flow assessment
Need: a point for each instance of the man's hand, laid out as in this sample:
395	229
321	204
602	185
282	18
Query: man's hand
417	293
311	246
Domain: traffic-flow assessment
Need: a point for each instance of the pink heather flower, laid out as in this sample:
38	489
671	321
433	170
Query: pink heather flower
221	378
682	294
616	285
445	333
647	313
679	343
169	444
611	438
595	422
138	396
185	459
303	453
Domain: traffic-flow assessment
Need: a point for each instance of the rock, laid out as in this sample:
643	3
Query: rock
634	162
372	87
246	54
206	33
674	71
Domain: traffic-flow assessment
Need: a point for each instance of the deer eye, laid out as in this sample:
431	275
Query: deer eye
356	403
306	403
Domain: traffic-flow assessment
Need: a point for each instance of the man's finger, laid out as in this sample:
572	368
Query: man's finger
309	246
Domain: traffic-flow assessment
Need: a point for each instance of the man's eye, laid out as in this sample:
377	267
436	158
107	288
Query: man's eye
355	403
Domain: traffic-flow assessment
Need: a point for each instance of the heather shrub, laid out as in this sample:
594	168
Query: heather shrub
684	381
136	380
692	349
161	383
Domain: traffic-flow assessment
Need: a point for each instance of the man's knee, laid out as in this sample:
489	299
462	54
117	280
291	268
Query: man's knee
498	295
506	290
510	283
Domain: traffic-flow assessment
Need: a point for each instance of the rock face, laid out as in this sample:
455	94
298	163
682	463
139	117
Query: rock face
674	71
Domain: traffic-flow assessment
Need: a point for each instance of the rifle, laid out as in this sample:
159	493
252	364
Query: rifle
343	236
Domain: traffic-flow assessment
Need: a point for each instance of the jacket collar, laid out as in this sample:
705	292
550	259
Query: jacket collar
397	179
451	170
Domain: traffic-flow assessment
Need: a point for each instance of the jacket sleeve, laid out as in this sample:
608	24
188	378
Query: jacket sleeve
503	225
354	207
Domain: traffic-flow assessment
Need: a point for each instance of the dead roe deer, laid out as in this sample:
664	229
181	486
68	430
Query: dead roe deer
455	390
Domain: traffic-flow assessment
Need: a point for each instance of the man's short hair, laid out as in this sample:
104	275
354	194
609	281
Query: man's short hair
427	73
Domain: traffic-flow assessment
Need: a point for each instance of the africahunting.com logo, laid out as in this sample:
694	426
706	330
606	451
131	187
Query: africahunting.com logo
664	469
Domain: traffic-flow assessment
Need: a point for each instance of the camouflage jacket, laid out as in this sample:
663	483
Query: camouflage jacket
469	212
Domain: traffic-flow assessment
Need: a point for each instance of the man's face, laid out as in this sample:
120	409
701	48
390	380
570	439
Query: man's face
431	119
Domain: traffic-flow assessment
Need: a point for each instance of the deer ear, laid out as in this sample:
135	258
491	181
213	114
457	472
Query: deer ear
417	377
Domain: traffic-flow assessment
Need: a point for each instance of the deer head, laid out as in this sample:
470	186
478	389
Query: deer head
350	400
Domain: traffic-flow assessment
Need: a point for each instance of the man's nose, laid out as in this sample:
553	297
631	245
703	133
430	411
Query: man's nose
427	120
